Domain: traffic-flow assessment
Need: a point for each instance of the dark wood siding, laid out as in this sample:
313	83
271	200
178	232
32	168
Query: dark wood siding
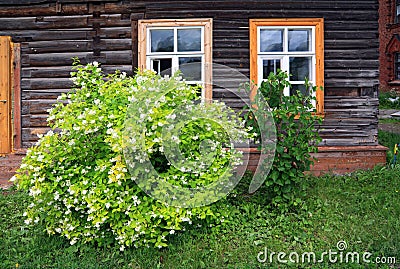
52	32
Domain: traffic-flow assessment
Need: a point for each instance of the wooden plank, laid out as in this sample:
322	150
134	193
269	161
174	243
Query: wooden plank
47	83
44	22
50	34
5	95
37	106
50	46
135	39
36	120
17	96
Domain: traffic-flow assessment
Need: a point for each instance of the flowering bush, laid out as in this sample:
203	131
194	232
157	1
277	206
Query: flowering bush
78	176
296	136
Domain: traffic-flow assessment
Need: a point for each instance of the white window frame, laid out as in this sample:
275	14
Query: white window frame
285	55
175	55
146	57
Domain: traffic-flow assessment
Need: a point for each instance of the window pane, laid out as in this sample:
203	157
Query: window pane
162	40
191	68
302	88
189	39
162	66
299	68
271	40
271	65
299	40
397	12
397	66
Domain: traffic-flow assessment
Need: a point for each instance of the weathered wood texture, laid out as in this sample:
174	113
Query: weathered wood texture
52	32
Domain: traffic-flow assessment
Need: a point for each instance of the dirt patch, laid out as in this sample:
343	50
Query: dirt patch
390	127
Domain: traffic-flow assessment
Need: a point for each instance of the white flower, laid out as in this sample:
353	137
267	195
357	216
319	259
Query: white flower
131	99
95	63
171	116
14	178
73	241
172	232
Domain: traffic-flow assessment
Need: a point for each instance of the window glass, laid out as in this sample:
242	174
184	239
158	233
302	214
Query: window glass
162	40
299	87
190	68
270	65
189	40
300	68
397	66
299	40
271	40
397	18
162	66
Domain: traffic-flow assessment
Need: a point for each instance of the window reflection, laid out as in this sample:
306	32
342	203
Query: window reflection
271	40
162	40
299	40
302	88
299	68
270	65
162	66
190	68
189	40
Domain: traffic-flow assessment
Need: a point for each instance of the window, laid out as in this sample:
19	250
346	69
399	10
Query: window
397	66
292	45
397	12
166	46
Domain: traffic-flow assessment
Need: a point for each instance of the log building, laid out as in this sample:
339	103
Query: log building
335	44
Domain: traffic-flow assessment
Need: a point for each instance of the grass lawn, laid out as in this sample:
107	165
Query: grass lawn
362	209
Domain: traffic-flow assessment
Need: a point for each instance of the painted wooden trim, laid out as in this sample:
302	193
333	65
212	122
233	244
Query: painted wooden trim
135	39
17	141
208	26
319	52
5	94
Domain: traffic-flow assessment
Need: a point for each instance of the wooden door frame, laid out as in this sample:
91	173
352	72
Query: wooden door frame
10	96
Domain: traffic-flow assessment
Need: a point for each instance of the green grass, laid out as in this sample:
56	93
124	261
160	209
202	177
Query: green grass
390	121
362	209
388	139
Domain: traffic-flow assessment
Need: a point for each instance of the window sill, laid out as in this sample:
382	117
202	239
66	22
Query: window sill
394	83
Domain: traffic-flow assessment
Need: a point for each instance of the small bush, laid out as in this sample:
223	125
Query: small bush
78	176
296	134
388	140
389	100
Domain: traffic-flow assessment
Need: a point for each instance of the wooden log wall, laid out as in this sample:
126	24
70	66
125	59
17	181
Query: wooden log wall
52	32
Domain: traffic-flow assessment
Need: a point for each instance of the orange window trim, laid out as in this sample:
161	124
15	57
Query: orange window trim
319	51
